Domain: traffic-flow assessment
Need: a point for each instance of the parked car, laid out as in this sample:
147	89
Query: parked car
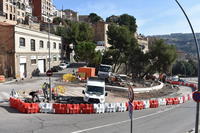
63	65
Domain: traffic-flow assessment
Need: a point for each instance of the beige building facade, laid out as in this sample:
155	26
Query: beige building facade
29	50
15	11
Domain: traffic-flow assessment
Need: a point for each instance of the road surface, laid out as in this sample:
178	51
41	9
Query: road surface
166	119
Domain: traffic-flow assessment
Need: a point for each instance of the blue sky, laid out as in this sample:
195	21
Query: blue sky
153	17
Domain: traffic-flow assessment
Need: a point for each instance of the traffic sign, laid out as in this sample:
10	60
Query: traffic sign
130	109
196	96
130	94
49	73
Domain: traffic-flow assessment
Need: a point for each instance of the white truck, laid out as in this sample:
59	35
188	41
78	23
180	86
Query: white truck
104	71
95	91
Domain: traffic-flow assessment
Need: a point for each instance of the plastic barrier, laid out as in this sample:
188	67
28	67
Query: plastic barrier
60	108
185	98
99	108
110	107
146	104
162	101
153	103
180	100
138	105
68	77
175	82
121	107
169	101
46	107
189	96
176	100
87	108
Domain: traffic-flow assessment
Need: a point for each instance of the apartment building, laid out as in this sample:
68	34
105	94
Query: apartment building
100	35
24	50
70	15
15	11
43	10
143	42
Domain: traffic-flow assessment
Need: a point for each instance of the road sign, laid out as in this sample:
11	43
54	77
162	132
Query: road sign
49	73
196	96
130	94
130	109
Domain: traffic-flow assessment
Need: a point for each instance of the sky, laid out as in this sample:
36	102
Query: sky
153	17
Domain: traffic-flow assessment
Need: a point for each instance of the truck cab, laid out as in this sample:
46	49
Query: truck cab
104	71
95	91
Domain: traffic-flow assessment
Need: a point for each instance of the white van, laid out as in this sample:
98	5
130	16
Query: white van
95	91
104	71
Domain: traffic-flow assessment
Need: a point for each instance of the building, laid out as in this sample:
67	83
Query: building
23	50
143	42
43	10
70	15
84	18
15	11
100	35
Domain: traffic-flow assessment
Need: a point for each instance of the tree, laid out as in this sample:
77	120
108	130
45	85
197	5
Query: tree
57	20
73	33
129	21
93	18
113	19
85	32
85	51
186	68
120	38
124	20
162	55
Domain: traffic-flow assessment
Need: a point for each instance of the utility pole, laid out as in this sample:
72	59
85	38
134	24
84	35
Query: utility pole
50	91
197	47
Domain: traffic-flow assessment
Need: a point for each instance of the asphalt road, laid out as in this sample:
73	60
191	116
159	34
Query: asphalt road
166	119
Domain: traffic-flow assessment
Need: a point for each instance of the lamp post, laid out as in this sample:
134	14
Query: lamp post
198	57
50	91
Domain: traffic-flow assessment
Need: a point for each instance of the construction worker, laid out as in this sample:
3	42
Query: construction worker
35	97
45	87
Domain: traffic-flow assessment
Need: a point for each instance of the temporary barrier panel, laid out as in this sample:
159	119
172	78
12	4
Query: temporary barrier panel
162	101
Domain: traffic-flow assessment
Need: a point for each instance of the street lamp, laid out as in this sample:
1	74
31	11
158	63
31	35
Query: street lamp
50	91
198	57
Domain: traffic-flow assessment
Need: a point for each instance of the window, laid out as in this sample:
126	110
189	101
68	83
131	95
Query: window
22	14
32	45
54	45
60	46
48	44
33	61
41	44
13	17
10	16
18	13
6	16
10	8
6	7
14	9
22	42
54	58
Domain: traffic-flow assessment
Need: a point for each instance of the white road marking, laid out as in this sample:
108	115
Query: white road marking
117	123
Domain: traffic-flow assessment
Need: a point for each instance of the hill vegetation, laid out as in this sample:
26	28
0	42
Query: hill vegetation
183	41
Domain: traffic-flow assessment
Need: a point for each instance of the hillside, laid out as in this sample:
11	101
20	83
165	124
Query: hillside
184	42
